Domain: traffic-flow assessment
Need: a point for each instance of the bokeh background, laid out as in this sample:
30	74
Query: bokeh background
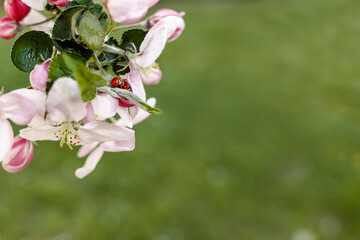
260	141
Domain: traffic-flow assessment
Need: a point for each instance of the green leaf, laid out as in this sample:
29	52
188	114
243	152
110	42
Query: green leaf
64	28
135	36
87	80
135	99
91	31
30	49
71	45
58	68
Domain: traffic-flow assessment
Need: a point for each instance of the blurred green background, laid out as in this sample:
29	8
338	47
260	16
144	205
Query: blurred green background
260	141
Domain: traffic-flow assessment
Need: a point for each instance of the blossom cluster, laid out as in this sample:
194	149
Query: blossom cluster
87	87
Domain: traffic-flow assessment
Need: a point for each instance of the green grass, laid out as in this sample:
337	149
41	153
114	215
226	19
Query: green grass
260	141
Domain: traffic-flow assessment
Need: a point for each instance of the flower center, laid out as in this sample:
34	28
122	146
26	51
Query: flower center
67	134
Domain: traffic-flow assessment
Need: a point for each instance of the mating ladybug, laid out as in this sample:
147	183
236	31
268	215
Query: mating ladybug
122	83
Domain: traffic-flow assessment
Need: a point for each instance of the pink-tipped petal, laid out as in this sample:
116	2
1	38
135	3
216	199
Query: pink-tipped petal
17	108
8	28
19	157
155	40
90	163
64	101
6	138
39	76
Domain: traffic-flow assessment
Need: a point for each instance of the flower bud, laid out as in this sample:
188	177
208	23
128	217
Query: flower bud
8	28
60	3
126	103
162	13
19	157
16	9
39	76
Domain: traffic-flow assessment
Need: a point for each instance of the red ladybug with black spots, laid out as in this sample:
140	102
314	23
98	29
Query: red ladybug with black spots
122	83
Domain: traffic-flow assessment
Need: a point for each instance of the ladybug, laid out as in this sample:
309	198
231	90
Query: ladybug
122	83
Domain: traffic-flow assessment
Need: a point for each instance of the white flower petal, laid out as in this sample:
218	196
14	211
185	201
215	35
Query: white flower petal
86	149
41	133
119	146
64	101
128	11
36	4
36	17
125	116
142	114
90	163
103	132
6	138
104	106
136	82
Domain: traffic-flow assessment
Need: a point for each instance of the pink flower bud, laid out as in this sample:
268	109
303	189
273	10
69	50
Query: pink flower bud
162	13
126	103
8	28
60	3
19	157
16	9
39	76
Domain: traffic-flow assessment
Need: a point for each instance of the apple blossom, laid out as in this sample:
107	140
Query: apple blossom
19	157
8	28
17	10
65	110
165	12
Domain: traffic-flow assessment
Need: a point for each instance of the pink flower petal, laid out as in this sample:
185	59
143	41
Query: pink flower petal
39	76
